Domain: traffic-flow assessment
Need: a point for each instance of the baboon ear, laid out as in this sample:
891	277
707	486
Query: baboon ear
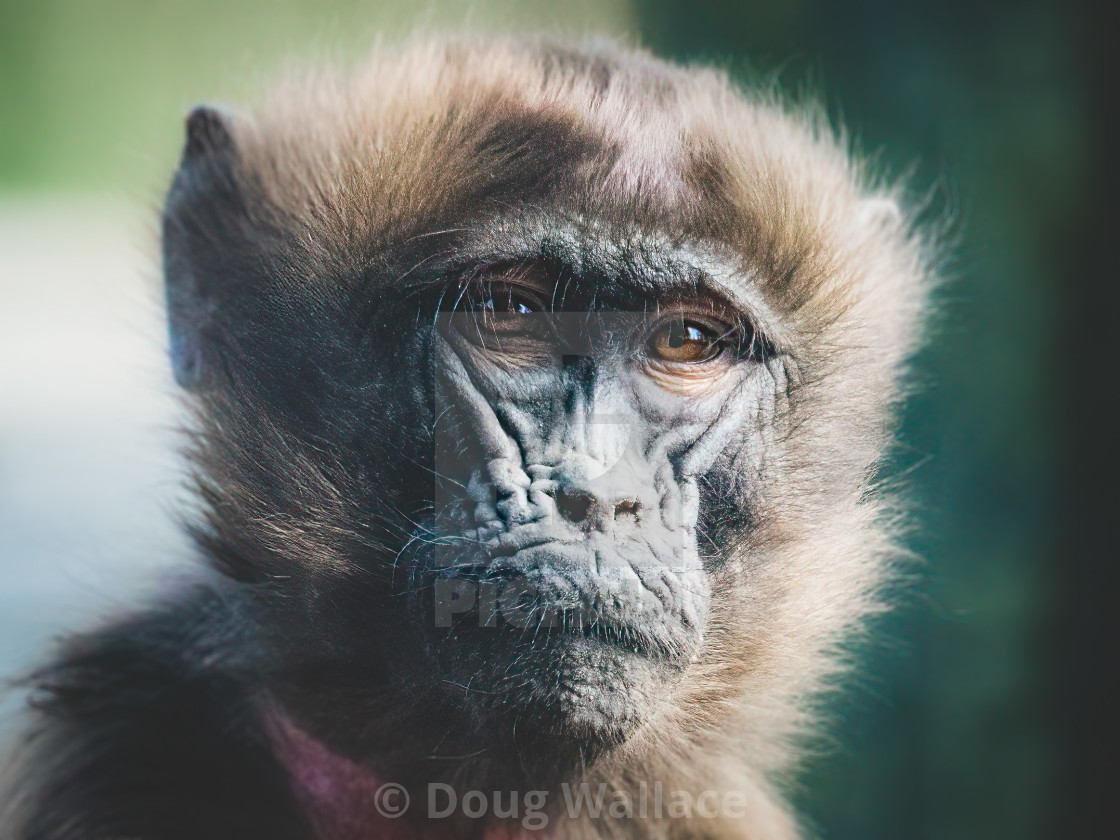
202	212
208	132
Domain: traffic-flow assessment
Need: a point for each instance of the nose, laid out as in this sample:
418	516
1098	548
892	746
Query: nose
580	506
575	505
598	501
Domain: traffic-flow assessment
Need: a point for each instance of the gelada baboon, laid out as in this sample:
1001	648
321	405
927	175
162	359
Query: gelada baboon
537	393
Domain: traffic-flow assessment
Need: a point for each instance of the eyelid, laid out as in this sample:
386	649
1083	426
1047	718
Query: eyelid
720	327
500	291
521	290
738	332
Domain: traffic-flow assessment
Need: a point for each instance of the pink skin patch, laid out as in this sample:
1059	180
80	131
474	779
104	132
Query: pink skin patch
346	801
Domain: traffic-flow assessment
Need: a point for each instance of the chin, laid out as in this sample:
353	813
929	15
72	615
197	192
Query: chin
557	652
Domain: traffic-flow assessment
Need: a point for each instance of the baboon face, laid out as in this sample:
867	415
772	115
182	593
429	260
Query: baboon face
525	391
578	414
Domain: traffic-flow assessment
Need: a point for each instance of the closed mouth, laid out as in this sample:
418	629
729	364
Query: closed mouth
540	612
544	626
499	541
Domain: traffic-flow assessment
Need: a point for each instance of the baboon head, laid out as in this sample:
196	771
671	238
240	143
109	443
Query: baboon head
539	394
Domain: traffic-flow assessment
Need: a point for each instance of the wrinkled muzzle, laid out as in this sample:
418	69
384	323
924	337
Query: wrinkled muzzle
559	512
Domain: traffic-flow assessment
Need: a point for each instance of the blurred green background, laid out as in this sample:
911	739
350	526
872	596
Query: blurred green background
958	728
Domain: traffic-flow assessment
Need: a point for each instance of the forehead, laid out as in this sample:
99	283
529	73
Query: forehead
626	266
424	133
603	158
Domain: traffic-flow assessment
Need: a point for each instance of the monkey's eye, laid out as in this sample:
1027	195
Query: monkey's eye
500	299
505	299
507	320
685	341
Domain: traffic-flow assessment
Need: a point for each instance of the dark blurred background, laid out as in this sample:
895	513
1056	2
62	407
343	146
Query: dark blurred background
986	714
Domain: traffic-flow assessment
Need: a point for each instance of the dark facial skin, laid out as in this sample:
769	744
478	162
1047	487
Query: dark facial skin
571	436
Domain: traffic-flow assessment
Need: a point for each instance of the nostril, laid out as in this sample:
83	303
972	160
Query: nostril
574	505
627	508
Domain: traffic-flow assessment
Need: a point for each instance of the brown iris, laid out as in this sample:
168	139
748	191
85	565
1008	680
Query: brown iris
683	341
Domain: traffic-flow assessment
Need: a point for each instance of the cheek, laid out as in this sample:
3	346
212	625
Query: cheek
520	369
672	397
514	353
689	380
